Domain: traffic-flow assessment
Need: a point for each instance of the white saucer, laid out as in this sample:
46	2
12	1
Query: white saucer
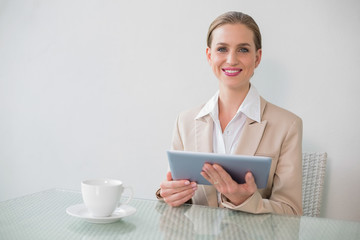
80	211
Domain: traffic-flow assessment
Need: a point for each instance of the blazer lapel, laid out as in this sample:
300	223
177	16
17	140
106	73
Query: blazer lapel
204	134
204	143
250	137
251	134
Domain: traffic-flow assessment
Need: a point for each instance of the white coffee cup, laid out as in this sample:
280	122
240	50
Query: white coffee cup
102	196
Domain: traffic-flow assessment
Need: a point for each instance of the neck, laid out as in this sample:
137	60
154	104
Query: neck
231	99
229	102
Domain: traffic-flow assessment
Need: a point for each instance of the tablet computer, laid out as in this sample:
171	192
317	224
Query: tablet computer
188	165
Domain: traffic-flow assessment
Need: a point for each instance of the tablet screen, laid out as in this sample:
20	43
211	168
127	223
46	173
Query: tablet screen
188	165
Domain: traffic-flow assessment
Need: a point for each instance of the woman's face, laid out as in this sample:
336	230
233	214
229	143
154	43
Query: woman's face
233	56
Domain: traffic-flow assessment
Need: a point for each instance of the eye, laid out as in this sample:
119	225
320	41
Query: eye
221	49
243	50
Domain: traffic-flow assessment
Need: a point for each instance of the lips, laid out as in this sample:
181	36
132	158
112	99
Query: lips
231	72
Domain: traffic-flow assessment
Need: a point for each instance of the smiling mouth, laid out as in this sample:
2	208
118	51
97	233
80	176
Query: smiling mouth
232	71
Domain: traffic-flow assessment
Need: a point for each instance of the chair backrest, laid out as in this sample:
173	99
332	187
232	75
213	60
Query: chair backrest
314	167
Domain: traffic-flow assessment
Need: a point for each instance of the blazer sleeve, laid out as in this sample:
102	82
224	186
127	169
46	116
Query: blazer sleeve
176	145
286	193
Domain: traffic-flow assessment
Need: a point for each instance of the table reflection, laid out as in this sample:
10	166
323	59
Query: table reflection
192	221
42	216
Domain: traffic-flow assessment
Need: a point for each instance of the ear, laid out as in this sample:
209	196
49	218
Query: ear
258	57
208	54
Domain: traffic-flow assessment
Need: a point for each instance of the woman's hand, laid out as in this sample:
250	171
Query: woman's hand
222	181
176	193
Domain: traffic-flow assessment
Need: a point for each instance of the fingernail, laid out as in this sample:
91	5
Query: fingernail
187	183
193	184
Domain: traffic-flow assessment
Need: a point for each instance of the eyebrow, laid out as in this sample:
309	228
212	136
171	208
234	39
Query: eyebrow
239	45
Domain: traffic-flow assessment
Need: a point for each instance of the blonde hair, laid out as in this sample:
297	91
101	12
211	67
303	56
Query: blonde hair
233	18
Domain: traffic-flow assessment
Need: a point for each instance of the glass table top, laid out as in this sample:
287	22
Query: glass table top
43	216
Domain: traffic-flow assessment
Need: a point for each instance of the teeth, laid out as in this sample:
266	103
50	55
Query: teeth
232	71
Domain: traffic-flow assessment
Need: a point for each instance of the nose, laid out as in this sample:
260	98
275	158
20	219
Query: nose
232	58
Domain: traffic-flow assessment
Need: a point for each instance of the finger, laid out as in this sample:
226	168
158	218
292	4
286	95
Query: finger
249	179
182	200
224	175
204	174
212	173
175	184
171	190
179	198
214	182
169	176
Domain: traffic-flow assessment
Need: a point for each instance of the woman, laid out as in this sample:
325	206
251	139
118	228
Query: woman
237	120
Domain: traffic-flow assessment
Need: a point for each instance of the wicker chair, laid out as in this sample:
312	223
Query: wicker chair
314	166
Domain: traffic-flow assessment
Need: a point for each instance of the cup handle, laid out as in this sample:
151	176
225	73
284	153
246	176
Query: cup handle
130	197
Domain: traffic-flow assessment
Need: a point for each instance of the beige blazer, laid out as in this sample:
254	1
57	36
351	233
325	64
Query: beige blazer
278	135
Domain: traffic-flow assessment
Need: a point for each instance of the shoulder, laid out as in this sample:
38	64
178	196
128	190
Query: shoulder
274	113
283	131
186	121
189	115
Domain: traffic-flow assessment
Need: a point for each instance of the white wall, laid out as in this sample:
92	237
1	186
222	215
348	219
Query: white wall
91	88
